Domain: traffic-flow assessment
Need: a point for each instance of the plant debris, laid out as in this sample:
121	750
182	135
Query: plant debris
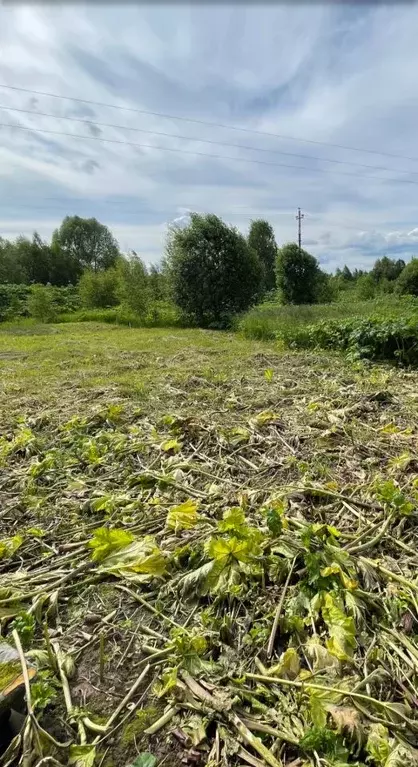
218	585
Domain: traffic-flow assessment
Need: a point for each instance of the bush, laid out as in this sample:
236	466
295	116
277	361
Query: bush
407	282
377	339
298	275
213	271
40	304
133	285
98	289
13	301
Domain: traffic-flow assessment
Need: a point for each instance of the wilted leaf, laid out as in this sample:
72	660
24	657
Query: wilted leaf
141	556
226	550
233	520
145	759
171	446
82	756
183	517
8	546
378	746
106	541
288	666
320	656
341	629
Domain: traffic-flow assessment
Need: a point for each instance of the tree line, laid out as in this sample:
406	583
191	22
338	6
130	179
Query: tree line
210	270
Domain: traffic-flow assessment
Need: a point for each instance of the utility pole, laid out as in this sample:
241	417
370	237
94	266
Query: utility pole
299	220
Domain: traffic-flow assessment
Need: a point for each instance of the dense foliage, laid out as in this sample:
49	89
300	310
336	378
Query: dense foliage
261	239
298	275
214	272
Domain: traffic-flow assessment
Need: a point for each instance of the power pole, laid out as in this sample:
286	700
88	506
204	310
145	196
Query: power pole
299	220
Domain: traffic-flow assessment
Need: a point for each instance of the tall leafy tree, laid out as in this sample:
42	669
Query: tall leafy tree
407	282
387	269
33	257
133	284
298	275
10	269
88	242
214	272
261	239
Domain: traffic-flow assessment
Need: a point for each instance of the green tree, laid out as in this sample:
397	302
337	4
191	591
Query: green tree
261	239
407	282
366	287
40	303
98	290
34	258
10	269
88	242
298	274
213	271
387	269
157	283
132	285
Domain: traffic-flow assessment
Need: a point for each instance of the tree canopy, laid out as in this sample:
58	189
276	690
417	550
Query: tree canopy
87	242
261	239
298	275
214	272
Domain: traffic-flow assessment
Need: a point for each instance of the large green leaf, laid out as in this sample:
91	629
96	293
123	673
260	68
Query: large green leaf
82	756
142	556
105	541
183	517
341	629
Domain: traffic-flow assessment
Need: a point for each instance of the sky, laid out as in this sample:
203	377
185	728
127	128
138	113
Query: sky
283	106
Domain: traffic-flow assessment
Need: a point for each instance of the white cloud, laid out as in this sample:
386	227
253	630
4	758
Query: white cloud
328	74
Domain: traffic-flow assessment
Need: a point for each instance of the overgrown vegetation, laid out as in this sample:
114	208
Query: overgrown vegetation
223	575
383	329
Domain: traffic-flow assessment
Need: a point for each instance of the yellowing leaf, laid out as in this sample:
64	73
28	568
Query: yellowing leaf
233	520
319	655
378	746
183	517
288	666
8	546
171	446
336	569
266	416
220	549
105	541
341	629
82	756
141	556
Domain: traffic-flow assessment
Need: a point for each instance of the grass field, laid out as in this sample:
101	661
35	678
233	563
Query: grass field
257	537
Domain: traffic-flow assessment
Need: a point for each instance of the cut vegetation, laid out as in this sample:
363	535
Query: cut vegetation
208	550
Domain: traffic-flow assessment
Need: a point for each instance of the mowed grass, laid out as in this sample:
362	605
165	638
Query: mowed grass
68	366
111	426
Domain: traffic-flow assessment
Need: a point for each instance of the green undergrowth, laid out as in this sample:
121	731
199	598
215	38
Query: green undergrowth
161	314
380	330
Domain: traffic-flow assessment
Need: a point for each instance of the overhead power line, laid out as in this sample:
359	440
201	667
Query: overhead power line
206	154
204	140
209	123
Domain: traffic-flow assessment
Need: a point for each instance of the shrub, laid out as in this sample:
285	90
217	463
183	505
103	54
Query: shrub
133	285
40	304
98	289
13	301
298	275
378	339
407	282
213	271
